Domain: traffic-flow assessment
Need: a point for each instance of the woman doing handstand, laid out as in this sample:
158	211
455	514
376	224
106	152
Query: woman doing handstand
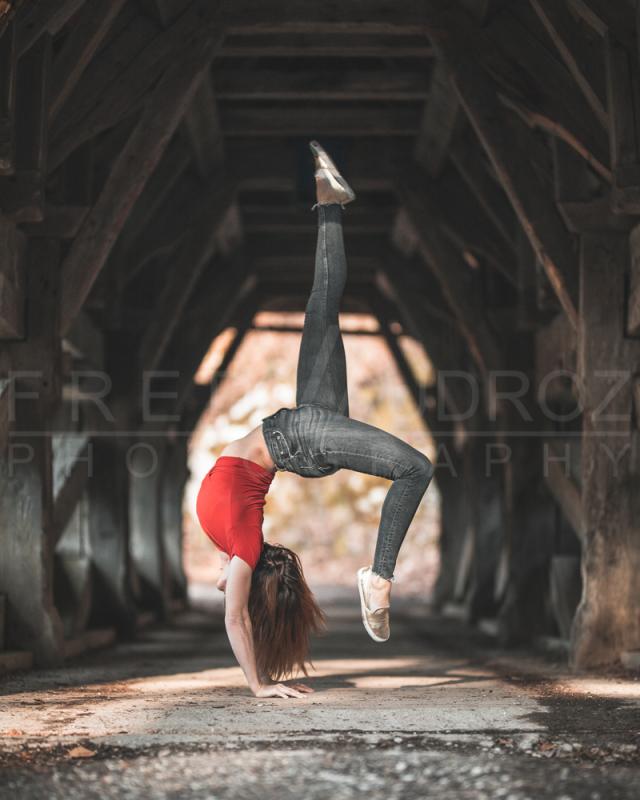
270	612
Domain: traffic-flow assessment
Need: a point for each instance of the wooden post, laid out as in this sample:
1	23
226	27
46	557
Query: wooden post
26	498
145	461
608	618
174	477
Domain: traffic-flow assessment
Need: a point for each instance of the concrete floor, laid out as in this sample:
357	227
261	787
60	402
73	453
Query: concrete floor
435	712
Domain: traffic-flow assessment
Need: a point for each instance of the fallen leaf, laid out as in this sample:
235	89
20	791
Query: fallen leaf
80	752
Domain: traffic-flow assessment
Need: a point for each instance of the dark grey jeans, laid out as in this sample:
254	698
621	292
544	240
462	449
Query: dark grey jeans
317	437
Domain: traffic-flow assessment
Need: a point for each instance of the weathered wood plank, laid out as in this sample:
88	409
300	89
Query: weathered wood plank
298	16
575	51
326	46
42	16
79	48
396	120
136	163
8	55
247	80
440	115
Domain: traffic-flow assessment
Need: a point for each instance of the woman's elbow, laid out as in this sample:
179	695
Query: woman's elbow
236	619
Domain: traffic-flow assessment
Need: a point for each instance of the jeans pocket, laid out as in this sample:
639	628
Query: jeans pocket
281	445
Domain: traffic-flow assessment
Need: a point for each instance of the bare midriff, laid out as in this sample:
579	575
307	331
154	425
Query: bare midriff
253	447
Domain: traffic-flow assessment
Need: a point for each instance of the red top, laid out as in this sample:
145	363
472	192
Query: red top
230	506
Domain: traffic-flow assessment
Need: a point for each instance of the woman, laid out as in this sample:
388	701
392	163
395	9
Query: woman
270	612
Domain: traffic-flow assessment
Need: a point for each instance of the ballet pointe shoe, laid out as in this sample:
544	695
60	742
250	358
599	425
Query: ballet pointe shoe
331	187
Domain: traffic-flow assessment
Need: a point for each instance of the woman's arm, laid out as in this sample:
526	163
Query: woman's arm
238	626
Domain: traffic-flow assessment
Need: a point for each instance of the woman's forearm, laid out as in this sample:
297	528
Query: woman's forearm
241	640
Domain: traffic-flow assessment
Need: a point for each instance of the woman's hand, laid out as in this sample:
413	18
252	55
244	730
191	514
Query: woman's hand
282	690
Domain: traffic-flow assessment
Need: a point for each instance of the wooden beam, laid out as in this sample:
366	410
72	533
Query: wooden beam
608	618
380	308
541	89
134	166
163	231
41	16
274	220
8	57
576	53
439	118
559	109
469	159
398	17
566	494
197	248
219	293
196	401
623	87
120	79
605	16
22	194
464	221
325	120
406	288
70	493
633	304
504	139
326	46
92	25
202	124
248	80
453	274
58	222
12	280
160	188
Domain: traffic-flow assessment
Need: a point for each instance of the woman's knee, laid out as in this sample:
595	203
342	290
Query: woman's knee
421	467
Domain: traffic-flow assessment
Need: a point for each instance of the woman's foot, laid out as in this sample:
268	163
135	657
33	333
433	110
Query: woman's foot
331	187
374	603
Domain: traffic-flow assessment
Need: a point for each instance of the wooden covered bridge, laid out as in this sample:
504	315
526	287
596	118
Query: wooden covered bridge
155	189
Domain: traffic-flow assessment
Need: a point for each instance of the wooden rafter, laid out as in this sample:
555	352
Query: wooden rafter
504	139
7	98
452	272
124	74
574	50
40	16
196	251
134	166
92	25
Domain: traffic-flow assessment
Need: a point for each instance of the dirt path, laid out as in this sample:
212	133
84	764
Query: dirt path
434	712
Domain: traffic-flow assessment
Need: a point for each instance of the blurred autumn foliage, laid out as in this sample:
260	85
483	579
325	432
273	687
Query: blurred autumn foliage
331	522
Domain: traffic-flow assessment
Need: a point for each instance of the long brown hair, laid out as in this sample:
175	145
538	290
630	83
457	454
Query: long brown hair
283	612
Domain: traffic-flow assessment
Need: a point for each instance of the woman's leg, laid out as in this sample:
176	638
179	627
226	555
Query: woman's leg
322	368
351	444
